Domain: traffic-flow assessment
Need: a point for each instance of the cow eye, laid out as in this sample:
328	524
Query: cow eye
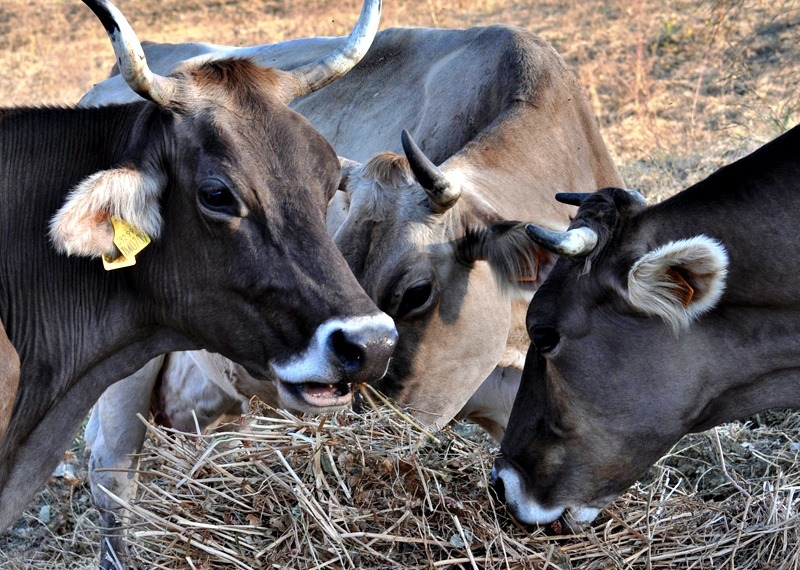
414	298
215	196
545	338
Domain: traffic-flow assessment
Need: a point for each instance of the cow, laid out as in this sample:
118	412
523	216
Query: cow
225	188
436	247
655	322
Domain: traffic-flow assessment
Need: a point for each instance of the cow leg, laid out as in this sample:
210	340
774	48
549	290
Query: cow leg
196	390
113	436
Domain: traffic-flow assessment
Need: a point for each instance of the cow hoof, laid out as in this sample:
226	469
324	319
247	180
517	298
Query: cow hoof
113	552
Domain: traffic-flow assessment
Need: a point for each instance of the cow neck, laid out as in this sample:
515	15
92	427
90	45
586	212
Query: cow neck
56	308
751	207
752	339
74	325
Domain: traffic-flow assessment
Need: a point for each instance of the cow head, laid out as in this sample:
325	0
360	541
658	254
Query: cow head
442	265
232	186
615	374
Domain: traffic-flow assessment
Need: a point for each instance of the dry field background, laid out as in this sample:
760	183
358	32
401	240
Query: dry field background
679	88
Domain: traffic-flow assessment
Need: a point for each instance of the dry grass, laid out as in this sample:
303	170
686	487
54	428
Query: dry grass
679	88
373	491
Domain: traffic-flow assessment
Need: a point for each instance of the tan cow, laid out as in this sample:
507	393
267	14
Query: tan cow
499	108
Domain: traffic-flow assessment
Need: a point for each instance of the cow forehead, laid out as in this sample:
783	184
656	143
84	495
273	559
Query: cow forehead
235	84
235	113
384	191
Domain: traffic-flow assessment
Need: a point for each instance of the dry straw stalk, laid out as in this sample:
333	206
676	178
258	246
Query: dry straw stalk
374	491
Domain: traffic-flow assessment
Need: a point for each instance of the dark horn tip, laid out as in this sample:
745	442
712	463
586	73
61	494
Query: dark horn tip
407	142
572	198
427	174
539	234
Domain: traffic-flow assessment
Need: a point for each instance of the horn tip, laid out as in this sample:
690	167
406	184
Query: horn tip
571	198
405	139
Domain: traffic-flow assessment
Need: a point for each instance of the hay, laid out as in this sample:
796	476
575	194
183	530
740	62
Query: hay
373	491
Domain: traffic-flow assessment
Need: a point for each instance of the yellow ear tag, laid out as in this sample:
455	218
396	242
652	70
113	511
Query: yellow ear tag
129	240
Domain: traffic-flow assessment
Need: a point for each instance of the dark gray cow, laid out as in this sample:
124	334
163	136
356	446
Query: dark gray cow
658	321
230	184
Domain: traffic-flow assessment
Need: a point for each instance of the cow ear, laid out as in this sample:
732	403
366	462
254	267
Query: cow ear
518	264
347	167
338	209
680	280
82	226
339	204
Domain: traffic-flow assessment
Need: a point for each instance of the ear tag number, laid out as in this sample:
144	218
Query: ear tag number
129	240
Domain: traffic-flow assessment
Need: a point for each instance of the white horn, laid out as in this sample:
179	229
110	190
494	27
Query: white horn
318	74
571	243
130	56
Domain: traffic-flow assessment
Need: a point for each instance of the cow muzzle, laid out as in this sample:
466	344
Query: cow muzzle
512	488
342	352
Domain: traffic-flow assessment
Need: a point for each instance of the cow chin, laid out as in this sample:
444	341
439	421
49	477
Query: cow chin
314	397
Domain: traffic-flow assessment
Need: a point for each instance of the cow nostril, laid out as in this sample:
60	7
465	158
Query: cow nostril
499	489
350	354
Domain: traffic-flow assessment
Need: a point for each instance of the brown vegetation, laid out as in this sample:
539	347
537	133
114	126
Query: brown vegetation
679	87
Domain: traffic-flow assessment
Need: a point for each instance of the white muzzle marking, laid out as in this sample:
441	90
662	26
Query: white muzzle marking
528	510
318	363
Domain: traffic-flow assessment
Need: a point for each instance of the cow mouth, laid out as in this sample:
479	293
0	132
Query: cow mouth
319	394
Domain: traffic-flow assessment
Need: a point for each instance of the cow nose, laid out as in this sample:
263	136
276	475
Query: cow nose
363	347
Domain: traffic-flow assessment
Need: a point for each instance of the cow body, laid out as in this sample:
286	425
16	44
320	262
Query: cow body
683	315
219	172
9	379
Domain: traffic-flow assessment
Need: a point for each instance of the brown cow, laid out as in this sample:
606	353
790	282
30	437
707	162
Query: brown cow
9	379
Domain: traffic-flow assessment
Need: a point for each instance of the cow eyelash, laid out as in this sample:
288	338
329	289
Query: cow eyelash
414	298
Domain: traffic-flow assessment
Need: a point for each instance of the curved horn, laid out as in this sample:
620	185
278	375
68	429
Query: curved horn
130	56
572	198
637	197
571	243
318	74
440	192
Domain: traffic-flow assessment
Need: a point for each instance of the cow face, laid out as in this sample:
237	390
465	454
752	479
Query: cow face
443	270
232	186
614	376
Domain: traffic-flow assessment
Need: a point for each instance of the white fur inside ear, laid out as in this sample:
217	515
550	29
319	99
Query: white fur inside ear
82	226
680	280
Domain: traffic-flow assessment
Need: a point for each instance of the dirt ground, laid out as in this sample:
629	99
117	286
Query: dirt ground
679	88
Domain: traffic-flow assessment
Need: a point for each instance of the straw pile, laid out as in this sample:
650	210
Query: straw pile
374	491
